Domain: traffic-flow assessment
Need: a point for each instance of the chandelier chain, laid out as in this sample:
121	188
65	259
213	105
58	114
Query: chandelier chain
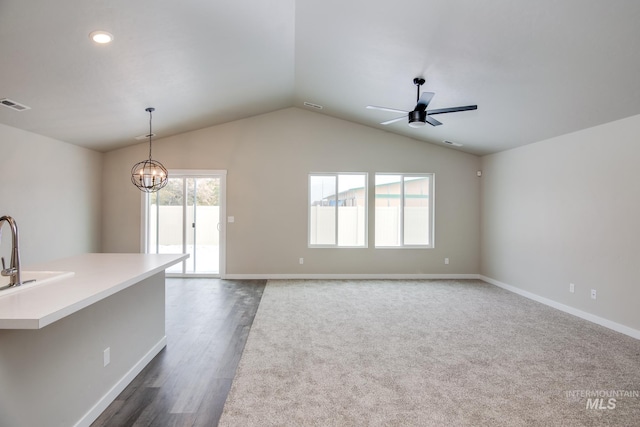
150	110
150	135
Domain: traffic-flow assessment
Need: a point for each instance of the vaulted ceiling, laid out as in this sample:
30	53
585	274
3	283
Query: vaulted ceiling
535	69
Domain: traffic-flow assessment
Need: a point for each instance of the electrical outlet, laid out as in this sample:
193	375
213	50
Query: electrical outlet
572	287
107	356
301	260
446	261
593	294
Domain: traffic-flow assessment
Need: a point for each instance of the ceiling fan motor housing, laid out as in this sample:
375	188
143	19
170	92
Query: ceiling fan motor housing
417	118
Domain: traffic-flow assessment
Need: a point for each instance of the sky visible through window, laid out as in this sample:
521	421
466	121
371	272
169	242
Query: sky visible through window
322	186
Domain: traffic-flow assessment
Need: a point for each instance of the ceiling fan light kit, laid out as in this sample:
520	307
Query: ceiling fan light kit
420	116
417	119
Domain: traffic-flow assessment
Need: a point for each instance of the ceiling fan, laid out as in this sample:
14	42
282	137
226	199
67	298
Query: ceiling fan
420	115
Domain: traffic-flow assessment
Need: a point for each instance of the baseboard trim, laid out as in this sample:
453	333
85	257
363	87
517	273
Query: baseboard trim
347	276
634	333
111	395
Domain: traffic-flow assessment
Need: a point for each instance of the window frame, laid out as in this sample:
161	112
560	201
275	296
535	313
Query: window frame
431	210
337	224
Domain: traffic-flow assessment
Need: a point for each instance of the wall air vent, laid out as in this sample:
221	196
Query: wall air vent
316	106
13	104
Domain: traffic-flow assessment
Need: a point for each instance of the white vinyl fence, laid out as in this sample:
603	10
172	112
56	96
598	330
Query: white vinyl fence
207	218
351	223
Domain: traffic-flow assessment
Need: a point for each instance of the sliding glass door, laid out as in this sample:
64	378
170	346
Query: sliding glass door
186	217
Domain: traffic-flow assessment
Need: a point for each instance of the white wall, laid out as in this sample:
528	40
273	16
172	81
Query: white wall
52	189
568	210
268	158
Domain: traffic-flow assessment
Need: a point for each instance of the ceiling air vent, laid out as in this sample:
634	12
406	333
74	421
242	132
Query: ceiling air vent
455	144
13	105
142	137
312	105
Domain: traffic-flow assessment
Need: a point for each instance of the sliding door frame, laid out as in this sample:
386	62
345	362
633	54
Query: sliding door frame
193	173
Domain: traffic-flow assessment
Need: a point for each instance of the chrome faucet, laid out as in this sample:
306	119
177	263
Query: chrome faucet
14	268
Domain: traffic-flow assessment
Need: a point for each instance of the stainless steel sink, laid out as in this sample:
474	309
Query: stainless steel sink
31	279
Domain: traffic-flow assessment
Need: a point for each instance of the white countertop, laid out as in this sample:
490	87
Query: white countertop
97	276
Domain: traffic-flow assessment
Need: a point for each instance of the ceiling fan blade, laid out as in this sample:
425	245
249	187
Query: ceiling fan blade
397	119
432	121
452	109
392	110
424	100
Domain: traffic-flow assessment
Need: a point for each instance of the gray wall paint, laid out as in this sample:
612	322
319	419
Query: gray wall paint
52	189
53	376
554	212
567	210
558	211
268	158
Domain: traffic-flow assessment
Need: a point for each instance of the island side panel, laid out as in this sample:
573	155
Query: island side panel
54	376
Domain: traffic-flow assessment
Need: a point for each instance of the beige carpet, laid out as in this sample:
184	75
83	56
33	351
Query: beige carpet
427	353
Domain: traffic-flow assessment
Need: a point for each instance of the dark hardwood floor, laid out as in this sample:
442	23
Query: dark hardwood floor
186	384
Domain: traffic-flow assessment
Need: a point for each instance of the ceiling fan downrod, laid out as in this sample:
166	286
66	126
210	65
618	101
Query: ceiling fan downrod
418	81
418	117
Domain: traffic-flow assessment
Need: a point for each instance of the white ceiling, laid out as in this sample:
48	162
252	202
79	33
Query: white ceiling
535	69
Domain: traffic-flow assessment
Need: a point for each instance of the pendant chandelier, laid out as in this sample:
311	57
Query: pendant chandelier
149	175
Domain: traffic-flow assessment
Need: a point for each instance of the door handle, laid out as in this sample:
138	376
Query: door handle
193	225
218	226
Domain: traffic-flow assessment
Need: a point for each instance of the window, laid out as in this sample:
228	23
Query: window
404	210
338	210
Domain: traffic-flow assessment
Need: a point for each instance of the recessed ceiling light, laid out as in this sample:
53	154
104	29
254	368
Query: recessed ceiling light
101	37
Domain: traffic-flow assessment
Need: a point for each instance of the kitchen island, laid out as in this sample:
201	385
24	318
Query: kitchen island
68	347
